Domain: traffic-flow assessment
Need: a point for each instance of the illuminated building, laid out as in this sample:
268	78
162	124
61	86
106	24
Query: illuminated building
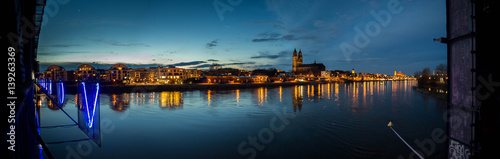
220	78
244	79
162	75
55	72
298	68
326	74
102	75
85	72
398	73
118	72
138	75
193	74
171	75
260	78
217	69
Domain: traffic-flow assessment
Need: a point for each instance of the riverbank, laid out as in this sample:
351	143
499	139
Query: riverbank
432	92
72	89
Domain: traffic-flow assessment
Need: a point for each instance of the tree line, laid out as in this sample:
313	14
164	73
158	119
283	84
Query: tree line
437	79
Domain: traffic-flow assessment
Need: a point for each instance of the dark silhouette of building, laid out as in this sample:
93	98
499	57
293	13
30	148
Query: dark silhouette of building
298	68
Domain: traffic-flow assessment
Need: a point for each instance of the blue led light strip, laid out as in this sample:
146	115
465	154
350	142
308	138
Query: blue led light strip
95	103
50	86
60	107
61	93
91	120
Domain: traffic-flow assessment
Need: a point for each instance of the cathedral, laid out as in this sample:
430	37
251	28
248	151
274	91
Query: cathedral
298	68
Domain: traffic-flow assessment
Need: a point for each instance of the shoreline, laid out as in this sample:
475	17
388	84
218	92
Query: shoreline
71	89
425	91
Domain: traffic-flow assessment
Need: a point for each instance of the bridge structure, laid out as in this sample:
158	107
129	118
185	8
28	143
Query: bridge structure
22	22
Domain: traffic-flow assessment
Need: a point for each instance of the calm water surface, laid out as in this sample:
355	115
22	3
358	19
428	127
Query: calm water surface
308	121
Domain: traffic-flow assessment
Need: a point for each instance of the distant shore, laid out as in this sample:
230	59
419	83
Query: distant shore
104	88
435	94
72	89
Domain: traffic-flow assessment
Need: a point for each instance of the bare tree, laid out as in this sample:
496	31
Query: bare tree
417	73
426	72
441	69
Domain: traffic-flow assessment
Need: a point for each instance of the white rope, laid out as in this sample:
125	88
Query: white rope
407	144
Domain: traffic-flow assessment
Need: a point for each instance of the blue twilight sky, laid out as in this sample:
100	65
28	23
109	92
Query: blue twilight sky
245	34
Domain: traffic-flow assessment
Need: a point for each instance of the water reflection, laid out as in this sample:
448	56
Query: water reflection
119	103
356	95
346	120
171	100
43	100
237	97
261	94
297	98
281	93
208	96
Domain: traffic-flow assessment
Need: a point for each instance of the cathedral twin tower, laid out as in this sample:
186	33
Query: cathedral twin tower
299	68
297	60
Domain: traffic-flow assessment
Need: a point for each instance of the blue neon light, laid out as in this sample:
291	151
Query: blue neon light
50	87
37	122
95	103
90	120
61	93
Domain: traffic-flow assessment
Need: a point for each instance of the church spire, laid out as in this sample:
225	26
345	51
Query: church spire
294	52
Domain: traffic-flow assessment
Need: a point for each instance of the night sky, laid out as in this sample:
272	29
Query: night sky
247	34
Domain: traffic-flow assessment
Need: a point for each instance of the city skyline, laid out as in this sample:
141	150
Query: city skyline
245	35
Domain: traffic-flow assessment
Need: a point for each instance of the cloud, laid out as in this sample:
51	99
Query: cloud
170	52
117	43
288	37
344	15
189	63
374	4
97	65
202	66
320	23
261	66
361	60
212	60
265	39
267	34
329	29
55	53
278	25
212	44
239	63
65	45
267	55
265	22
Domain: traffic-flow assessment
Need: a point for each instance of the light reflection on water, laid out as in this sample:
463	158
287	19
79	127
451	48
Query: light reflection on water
339	120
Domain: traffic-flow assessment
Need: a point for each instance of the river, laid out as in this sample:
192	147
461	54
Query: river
333	120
